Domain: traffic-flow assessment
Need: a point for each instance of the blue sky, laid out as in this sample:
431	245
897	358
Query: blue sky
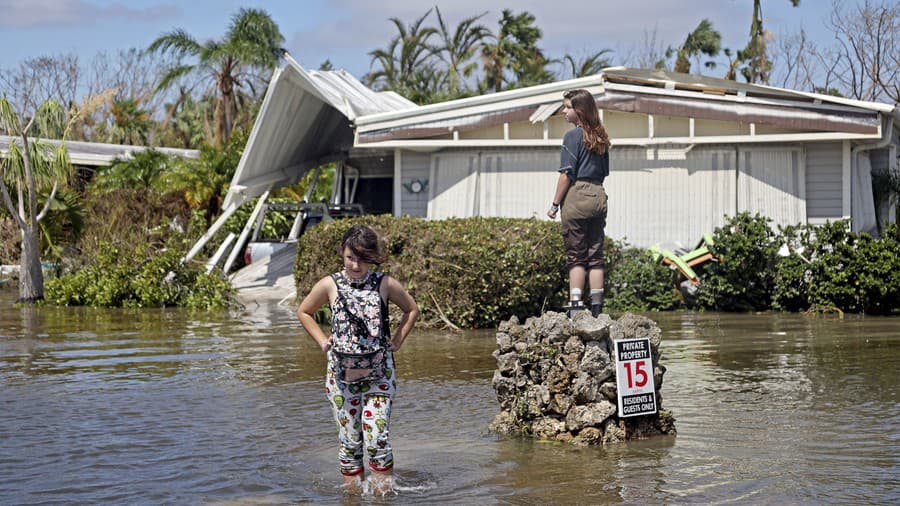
344	31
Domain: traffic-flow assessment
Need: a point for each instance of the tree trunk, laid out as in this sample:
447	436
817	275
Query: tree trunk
31	277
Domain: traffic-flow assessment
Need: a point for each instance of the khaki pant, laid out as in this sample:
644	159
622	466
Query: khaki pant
583	222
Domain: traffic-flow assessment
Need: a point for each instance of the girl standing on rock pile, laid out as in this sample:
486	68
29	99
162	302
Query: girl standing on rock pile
584	164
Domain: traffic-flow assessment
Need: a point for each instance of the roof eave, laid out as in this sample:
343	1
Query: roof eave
482	100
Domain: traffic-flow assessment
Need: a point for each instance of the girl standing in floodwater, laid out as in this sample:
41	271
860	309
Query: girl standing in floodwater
584	164
361	379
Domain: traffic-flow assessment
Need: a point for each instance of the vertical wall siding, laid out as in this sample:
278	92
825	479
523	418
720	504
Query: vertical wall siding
771	182
661	195
519	183
669	196
824	172
414	166
453	180
510	183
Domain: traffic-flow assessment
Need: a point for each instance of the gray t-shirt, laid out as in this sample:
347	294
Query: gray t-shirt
578	162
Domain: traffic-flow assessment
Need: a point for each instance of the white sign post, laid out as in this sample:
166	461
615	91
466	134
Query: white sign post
634	378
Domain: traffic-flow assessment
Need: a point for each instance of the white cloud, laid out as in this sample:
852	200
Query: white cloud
36	14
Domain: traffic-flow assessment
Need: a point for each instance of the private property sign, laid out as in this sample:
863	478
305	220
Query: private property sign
634	378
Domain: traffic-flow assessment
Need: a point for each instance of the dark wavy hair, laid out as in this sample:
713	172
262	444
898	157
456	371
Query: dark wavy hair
595	136
364	243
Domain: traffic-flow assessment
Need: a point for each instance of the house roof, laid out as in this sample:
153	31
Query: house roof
311	117
634	91
304	122
96	153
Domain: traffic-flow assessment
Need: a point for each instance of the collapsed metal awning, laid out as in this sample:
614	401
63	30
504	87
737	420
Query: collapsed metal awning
304	122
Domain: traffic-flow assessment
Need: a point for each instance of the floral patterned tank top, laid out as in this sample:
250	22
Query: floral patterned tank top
359	316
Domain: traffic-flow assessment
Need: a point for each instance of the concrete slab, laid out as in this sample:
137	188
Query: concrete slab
268	280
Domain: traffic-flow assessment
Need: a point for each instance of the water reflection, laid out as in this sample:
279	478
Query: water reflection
163	406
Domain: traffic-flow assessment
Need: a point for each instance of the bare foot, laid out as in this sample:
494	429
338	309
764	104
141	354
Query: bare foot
354	484
382	482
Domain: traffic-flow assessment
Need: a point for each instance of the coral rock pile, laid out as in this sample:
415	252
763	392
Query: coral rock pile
556	379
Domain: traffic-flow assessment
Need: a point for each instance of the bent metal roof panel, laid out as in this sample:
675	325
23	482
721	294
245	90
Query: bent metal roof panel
98	153
304	121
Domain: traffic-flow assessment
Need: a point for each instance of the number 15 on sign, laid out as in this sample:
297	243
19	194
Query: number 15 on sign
634	378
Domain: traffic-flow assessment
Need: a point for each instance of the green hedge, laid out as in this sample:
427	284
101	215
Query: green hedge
831	267
744	277
635	282
819	267
477	272
474	271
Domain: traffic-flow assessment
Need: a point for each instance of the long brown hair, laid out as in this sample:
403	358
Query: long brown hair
595	136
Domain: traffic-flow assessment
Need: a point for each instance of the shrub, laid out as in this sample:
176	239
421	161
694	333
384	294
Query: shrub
827	266
744	277
793	272
854	271
127	217
139	277
635	282
473	272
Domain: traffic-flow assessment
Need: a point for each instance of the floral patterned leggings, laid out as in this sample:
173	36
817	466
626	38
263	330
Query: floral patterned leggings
363	414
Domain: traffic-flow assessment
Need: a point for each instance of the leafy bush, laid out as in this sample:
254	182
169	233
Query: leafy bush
825	266
792	272
139	277
851	271
473	272
744	277
635	282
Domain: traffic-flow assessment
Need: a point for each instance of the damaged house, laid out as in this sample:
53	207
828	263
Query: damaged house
687	151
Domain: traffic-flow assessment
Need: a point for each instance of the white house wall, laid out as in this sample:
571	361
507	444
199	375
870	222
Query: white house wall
517	183
453	177
669	196
659	195
771	182
492	182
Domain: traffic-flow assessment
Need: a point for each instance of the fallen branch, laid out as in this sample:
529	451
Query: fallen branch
442	315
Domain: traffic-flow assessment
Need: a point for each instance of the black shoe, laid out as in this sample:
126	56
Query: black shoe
573	307
596	309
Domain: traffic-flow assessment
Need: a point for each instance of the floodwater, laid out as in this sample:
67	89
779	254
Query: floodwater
169	407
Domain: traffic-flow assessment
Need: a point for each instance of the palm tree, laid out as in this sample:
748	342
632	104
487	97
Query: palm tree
33	166
64	224
131	124
406	65
515	49
458	48
205	180
139	171
251	44
587	65
187	123
703	40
